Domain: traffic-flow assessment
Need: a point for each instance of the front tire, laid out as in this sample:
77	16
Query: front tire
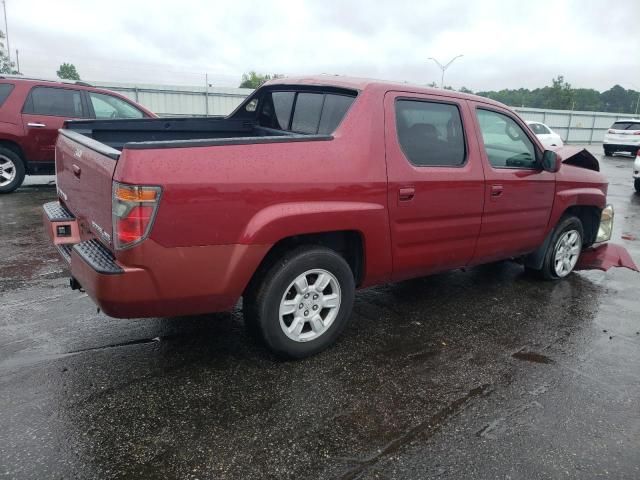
302	303
636	184
564	249
12	170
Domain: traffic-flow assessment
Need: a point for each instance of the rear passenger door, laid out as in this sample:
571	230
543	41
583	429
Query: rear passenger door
519	194
44	112
435	183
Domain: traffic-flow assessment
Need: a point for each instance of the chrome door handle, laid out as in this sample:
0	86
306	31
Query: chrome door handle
407	193
36	125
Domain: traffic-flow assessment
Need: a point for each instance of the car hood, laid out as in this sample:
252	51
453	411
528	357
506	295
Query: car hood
579	157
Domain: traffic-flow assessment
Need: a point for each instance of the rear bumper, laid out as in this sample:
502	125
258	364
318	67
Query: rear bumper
151	280
618	147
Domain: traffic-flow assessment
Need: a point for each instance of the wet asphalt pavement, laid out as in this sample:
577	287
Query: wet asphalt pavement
479	374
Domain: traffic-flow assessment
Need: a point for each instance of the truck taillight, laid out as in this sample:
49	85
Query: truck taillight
134	208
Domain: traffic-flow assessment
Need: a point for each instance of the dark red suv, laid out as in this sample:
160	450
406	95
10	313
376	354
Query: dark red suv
32	111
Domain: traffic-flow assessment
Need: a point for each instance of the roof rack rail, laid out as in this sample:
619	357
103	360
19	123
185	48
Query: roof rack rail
53	80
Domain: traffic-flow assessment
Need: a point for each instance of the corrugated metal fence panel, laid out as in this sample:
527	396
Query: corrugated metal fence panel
574	126
177	100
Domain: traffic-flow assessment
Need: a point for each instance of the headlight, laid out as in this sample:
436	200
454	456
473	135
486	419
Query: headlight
606	224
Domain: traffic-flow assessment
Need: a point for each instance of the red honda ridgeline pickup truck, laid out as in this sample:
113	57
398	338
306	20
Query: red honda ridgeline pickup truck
311	188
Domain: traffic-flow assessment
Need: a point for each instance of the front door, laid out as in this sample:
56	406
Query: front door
435	183
519	194
44	112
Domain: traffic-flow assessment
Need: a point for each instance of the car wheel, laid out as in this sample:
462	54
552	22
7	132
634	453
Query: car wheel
302	303
12	170
636	184
564	249
607	152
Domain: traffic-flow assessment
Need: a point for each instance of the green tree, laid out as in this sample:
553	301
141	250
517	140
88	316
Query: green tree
6	66
67	71
559	96
465	90
619	99
254	79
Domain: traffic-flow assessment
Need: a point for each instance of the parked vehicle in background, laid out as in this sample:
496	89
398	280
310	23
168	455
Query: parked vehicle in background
623	136
636	172
547	137
31	113
311	188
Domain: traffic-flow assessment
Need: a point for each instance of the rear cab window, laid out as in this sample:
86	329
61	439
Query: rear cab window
315	113
58	102
5	91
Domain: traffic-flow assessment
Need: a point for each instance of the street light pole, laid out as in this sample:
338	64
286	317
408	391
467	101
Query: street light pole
444	67
6	30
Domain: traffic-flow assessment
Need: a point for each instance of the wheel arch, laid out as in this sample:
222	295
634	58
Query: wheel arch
14	147
359	230
350	244
589	216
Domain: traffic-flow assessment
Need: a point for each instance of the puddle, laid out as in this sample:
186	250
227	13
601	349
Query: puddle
532	357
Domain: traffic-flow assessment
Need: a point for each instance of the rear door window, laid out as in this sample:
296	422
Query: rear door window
108	106
58	102
5	90
430	133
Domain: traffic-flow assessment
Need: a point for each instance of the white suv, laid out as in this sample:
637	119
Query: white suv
636	172
623	136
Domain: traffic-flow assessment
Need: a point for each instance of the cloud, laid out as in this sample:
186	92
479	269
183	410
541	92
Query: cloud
505	44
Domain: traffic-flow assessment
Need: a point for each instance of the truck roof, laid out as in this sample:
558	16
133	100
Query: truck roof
360	84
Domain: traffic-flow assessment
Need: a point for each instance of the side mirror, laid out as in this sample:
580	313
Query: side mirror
551	161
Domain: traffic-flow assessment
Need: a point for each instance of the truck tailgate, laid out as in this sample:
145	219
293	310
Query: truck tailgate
84	173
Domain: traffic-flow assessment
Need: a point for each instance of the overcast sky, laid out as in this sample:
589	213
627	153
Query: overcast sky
506	44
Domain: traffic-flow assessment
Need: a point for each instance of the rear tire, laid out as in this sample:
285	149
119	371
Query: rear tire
608	152
302	303
563	251
12	170
636	184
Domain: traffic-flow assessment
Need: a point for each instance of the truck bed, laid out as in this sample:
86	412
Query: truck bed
174	133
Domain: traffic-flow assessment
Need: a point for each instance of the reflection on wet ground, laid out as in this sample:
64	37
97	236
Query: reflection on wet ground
479	374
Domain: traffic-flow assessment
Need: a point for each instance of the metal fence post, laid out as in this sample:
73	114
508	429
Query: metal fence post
593	127
135	93
206	94
566	140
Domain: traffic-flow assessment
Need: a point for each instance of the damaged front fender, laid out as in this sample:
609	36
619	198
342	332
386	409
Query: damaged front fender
605	256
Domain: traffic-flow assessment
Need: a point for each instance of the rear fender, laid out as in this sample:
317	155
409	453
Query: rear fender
278	222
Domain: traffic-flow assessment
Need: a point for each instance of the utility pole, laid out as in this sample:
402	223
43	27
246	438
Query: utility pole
444	67
6	30
17	60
